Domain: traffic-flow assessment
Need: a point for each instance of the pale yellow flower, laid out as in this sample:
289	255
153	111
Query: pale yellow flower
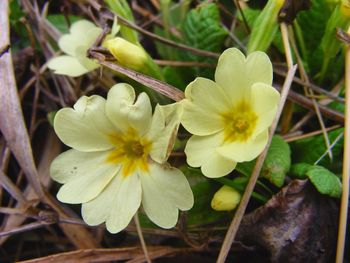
118	160
229	118
225	199
75	63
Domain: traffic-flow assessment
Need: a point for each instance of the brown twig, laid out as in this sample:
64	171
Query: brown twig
159	86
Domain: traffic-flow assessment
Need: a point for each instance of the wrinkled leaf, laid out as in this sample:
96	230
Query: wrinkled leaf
324	180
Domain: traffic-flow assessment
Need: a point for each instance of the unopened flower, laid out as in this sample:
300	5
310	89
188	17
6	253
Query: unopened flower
225	199
133	56
229	118
127	53
75	63
118	160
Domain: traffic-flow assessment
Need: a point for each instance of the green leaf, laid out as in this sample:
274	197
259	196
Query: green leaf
277	162
276	165
202	29
309	150
325	181
299	170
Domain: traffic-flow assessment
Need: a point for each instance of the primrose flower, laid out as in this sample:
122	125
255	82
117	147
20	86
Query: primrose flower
118	160
82	35
229	118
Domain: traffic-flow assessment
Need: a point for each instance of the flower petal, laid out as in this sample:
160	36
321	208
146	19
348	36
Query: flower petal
125	113
231	74
201	151
67	65
163	130
172	183
244	151
80	54
265	101
259	68
78	36
236	74
84	175
86	127
116	205
159	205
205	102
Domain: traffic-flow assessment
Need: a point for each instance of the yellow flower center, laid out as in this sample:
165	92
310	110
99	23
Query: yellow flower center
130	151
239	123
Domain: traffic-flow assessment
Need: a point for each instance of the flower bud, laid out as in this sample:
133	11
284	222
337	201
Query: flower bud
225	199
128	54
265	27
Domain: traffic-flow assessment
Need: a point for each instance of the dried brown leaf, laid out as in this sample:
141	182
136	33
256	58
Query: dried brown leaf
297	225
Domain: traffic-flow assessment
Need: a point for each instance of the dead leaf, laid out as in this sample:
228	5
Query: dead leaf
297	225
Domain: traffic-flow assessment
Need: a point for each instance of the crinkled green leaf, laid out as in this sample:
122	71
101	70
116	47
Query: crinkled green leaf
202	29
276	165
325	181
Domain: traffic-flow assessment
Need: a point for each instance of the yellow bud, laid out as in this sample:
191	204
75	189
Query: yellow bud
127	53
225	199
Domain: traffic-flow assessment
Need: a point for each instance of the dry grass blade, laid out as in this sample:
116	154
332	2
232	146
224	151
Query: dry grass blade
105	255
11	118
11	188
231	232
346	165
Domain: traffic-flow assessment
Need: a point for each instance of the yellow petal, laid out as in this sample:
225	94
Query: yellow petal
67	65
264	103
236	74
162	134
231	74
124	112
204	103
245	151
259	68
201	152
81	27
172	185
157	204
81	55
78	36
225	199
86	127
116	205
84	175
164	191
